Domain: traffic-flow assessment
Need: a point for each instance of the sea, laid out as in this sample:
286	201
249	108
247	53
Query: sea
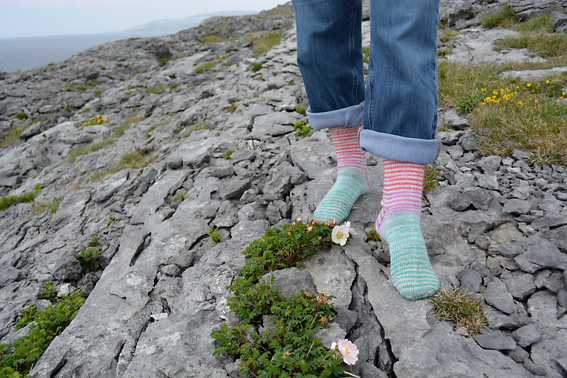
25	53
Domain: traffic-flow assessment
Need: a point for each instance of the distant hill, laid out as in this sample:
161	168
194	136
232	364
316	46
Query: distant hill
184	23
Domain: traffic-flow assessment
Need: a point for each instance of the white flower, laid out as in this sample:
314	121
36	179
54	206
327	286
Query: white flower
348	350
340	235
350	229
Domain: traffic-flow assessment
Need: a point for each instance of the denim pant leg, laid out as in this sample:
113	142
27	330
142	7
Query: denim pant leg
329	55
400	116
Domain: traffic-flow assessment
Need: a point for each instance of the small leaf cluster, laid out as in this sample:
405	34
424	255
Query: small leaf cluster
88	258
17	359
215	235
47	291
287	346
301	128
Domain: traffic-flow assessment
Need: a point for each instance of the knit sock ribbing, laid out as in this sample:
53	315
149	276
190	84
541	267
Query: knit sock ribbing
351	176
399	224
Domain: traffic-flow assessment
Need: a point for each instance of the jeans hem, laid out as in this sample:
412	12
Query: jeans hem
398	148
349	116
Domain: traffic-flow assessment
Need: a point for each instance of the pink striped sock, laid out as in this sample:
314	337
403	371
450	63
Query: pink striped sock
399	225
351	176
349	154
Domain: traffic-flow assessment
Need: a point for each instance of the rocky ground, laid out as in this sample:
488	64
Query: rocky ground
497	227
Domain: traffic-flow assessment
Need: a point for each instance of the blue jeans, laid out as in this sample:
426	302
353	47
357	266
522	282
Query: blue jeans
398	105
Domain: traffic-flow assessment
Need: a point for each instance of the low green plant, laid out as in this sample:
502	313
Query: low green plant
443	52
372	235
525	116
94	241
130	160
301	129
209	39
21	116
8	201
431	177
227	153
47	291
292	82
17	359
301	110
540	42
88	148
460	308
154	90
366	54
121	130
200	126
110	220
215	235
504	17
288	346
54	206
447	36
179	197
232	107
88	258
163	61
207	66
257	67
12	136
543	22
266	42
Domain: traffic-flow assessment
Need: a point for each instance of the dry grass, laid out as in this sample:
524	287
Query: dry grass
460	308
207	66
131	160
12	136
431	177
88	148
264	43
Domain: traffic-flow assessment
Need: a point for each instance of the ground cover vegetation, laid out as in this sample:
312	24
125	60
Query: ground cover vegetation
288	346
510	112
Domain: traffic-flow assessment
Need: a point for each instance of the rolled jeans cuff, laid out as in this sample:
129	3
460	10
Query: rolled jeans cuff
395	147
349	116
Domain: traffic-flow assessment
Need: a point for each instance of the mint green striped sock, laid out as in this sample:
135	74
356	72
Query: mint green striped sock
350	184
399	225
410	269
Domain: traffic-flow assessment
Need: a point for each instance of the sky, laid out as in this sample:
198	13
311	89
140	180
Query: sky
60	17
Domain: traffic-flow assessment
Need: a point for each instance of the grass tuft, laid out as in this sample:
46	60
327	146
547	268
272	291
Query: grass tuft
131	160
207	66
539	41
120	130
8	201
460	308
12	136
431	177
88	148
504	17
265	43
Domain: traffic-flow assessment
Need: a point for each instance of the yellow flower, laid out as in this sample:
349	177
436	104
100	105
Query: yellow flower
520	103
529	85
547	82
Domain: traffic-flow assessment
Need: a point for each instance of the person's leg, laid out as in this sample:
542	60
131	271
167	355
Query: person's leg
329	55
399	125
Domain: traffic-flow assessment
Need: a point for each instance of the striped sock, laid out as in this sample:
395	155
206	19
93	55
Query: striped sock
399	224
351	176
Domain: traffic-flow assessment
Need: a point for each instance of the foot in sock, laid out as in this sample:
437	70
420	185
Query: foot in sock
351	176
399	225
